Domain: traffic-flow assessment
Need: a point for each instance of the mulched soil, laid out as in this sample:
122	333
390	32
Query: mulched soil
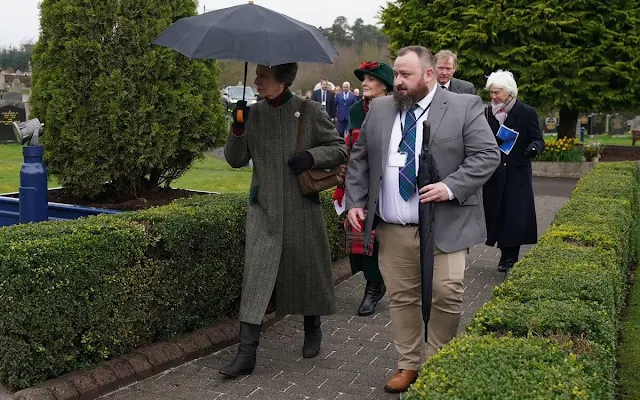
159	198
620	153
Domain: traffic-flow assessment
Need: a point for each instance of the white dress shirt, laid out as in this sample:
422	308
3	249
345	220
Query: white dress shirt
447	85
392	208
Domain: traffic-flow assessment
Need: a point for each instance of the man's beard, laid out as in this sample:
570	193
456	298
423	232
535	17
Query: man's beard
404	102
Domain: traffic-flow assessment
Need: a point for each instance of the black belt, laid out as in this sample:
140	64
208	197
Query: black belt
391	223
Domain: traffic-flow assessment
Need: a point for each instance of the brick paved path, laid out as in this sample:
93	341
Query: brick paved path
357	354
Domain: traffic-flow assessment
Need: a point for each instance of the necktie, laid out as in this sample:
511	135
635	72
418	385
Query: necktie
324	96
407	178
444	87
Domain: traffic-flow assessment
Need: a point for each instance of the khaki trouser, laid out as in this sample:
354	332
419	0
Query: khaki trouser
400	267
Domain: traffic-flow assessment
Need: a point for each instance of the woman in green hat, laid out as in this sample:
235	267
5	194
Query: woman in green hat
377	81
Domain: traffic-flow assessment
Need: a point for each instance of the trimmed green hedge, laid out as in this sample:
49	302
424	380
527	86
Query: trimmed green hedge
551	329
75	293
486	367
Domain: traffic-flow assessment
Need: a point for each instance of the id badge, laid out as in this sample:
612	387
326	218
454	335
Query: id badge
397	159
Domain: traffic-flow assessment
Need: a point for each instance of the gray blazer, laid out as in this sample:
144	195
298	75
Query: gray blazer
460	86
465	152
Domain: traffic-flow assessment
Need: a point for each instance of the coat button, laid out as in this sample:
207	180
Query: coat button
505	164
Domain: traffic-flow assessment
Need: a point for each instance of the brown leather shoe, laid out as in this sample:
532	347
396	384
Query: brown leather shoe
401	381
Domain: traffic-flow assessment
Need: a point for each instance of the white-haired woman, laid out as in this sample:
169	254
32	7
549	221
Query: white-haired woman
508	195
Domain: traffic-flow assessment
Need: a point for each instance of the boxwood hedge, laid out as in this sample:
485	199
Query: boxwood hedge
74	293
550	330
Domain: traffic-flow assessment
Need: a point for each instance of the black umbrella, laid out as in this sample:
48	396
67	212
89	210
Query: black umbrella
248	33
427	174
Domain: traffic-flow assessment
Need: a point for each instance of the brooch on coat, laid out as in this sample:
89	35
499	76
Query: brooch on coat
297	114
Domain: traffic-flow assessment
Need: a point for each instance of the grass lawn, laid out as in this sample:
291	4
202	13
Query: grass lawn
621	140
629	349
209	174
215	175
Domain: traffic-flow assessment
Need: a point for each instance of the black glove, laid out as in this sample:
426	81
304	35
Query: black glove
240	120
531	151
499	140
301	162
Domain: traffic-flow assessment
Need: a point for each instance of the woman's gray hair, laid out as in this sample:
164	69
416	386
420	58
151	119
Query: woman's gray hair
503	80
286	73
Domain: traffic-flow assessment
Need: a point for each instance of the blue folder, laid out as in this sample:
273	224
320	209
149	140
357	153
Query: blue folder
509	137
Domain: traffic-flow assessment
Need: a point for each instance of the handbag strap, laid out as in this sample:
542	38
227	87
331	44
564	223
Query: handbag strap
300	123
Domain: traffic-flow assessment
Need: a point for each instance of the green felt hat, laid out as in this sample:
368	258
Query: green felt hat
378	70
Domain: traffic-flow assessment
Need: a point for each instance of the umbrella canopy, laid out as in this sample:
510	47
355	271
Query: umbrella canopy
248	33
427	174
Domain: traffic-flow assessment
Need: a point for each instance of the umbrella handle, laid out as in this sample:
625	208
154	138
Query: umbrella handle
240	116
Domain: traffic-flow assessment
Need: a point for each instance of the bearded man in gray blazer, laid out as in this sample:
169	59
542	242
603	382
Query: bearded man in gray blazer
382	174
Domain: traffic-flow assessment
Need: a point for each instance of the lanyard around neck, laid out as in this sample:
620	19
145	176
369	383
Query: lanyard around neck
414	124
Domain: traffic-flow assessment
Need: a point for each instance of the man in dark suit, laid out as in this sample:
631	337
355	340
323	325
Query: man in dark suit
344	102
446	64
325	97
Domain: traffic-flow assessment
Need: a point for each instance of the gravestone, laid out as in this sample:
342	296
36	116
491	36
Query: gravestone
550	126
9	114
12	96
598	124
618	125
584	121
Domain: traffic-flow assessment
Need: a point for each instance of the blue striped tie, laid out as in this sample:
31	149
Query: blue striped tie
408	183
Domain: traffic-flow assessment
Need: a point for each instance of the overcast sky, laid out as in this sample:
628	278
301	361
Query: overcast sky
20	18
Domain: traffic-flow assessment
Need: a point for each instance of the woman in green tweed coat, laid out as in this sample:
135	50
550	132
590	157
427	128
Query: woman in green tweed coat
287	251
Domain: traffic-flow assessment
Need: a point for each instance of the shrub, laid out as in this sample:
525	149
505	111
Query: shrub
75	293
560	271
486	367
116	108
569	289
72	294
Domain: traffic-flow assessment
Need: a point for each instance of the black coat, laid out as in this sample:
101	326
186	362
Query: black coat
509	205
330	107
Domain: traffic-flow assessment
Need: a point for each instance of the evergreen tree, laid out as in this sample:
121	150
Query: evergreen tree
573	56
116	108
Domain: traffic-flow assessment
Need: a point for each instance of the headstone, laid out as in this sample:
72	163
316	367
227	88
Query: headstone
9	114
583	119
618	125
12	96
598	124
550	126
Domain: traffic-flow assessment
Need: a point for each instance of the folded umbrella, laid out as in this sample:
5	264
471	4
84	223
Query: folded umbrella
427	174
248	33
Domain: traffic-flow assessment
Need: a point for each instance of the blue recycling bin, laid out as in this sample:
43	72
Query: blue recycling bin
33	186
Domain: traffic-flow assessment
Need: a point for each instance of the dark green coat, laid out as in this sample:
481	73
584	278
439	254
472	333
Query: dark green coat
286	239
356	115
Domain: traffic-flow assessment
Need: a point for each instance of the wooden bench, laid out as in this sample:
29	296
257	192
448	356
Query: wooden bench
635	134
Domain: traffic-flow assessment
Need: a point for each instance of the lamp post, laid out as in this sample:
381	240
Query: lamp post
33	201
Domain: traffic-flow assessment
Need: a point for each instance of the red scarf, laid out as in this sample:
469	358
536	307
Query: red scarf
280	99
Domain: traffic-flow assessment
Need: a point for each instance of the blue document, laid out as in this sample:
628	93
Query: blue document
509	137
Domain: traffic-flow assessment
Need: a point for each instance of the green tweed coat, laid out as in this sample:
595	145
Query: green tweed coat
286	239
